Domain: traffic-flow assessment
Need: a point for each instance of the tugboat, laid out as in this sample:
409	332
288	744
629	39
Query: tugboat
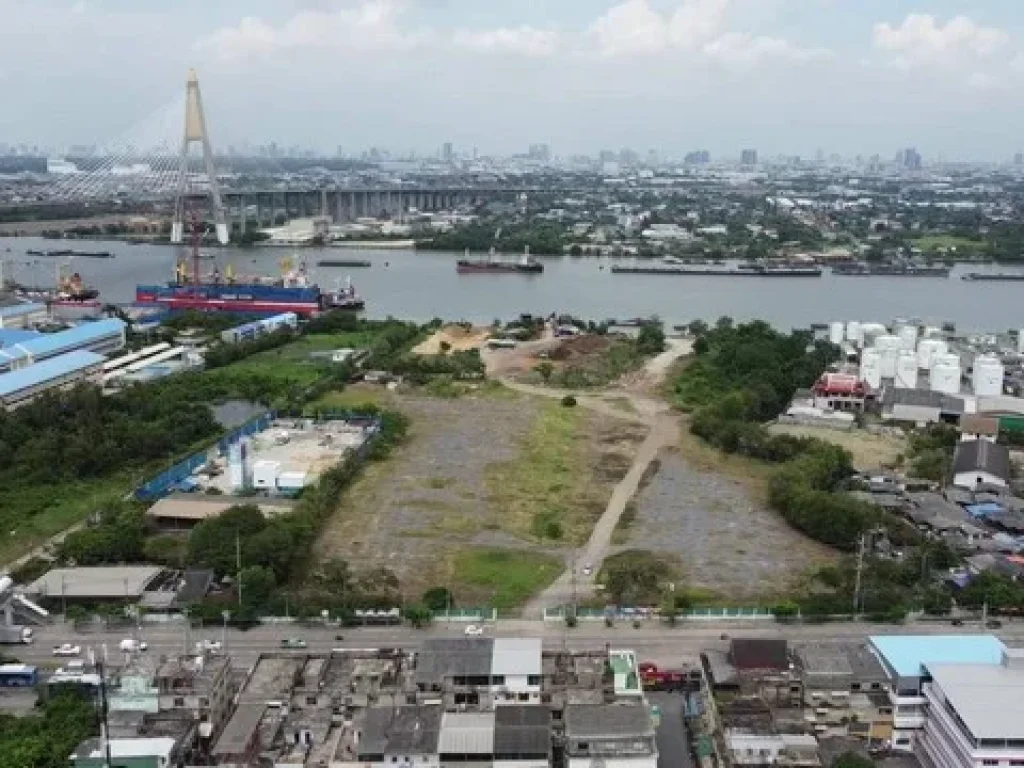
344	298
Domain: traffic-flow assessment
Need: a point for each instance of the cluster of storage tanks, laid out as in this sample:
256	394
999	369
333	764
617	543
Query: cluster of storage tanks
901	355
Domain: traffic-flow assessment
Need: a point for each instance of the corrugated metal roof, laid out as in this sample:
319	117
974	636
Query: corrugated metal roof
906	654
516	656
17	310
49	344
466	733
11	336
47	370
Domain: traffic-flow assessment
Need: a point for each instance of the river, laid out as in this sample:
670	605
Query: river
420	285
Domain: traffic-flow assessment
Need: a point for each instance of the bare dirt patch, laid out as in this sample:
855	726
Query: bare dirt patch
869	451
458	337
727	540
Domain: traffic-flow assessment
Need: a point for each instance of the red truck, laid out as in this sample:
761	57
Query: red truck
655	679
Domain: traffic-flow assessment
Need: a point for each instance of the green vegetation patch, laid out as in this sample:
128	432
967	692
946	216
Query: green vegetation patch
502	578
542	493
947	243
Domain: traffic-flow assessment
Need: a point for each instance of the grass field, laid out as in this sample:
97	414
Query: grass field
58	507
868	451
538	494
946	243
503	578
293	363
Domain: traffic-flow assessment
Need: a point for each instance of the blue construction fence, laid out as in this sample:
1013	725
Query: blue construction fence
174	478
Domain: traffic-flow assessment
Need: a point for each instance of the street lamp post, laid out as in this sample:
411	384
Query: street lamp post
224	630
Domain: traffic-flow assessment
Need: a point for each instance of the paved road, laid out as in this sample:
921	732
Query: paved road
659	643
673	742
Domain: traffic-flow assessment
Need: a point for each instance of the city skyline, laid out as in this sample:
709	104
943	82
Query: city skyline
784	76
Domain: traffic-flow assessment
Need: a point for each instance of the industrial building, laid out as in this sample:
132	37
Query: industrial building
907	659
22	315
157	589
23	385
101	337
258	328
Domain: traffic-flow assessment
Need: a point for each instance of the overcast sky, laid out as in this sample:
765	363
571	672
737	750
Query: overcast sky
782	76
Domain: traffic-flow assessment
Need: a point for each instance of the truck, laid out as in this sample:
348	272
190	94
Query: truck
14	634
655	679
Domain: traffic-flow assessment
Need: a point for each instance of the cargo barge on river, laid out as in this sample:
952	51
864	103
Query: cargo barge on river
749	271
888	270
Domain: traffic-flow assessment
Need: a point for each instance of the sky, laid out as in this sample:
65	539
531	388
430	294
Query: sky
781	76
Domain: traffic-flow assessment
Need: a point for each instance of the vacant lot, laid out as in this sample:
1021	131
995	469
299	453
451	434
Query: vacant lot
868	451
298	361
481	474
727	542
457	337
947	243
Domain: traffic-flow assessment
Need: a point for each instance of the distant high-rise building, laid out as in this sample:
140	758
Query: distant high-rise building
698	157
1018	159
628	157
748	157
540	153
819	157
447	153
606	156
910	159
652	157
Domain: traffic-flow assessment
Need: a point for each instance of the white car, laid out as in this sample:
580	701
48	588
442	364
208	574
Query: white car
131	644
208	645
588	569
474	631
67	649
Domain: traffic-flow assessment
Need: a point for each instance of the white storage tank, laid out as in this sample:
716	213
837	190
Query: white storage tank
854	333
836	332
931	332
264	473
987	377
927	350
908	337
871	368
945	377
947	358
887	341
888	357
906	370
871	331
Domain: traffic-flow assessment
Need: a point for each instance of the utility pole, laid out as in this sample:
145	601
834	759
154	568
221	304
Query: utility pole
860	570
238	565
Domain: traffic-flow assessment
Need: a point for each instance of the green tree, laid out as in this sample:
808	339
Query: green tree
439	599
418	615
852	760
544	369
214	543
651	339
257	585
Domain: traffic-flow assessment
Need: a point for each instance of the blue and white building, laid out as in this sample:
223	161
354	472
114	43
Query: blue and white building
100	337
21	386
22	315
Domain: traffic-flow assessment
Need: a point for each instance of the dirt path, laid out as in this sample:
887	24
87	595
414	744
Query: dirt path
662	435
664	430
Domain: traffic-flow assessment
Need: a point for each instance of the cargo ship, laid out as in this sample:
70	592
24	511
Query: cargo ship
492	266
291	292
888	270
994	276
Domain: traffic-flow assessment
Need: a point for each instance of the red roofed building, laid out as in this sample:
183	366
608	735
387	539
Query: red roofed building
840	392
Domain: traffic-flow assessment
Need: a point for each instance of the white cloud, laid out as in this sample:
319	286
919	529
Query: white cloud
921	37
696	26
372	25
524	40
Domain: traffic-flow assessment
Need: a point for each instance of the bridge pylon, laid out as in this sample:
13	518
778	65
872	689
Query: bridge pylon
188	186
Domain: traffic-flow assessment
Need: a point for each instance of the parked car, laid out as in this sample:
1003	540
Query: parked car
474	631
993	624
957	622
67	649
293	642
130	644
588	569
208	645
